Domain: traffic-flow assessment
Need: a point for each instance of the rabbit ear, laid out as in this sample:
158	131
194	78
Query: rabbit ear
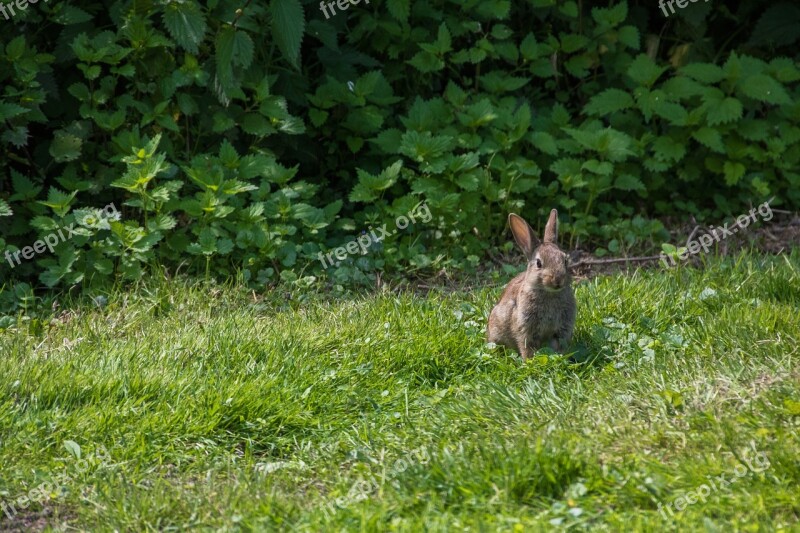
523	234
551	229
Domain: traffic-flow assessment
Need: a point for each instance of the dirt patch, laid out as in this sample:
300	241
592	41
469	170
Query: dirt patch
25	521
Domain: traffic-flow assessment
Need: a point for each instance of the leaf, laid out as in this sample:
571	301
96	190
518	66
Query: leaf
711	138
325	32
288	23
44	223
674	113
399	9
65	147
668	149
225	84
58	201
603	168
5	209
161	223
73	448
206	243
544	142
369	186
779	26
24	188
256	124
423	146
186	24
425	61
681	87
242	49
626	182
69	15
8	111
629	36
17	136
611	16
721	109
607	102
704	72
733	172
644	71
253	165
765	89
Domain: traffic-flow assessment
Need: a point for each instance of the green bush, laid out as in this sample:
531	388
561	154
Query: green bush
243	139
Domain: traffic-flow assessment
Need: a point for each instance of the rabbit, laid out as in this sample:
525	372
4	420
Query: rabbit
537	308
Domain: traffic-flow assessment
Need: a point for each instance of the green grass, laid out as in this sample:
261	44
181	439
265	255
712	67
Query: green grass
219	412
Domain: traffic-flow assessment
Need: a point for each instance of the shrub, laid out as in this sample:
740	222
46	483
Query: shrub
234	150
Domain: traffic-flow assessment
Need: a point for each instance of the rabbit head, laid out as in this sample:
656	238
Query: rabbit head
548	265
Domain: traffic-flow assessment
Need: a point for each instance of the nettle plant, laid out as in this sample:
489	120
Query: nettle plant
169	115
582	116
230	150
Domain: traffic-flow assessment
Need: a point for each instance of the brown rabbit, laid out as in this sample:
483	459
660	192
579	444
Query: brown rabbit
538	307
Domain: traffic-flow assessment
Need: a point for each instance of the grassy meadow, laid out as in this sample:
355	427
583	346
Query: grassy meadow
178	405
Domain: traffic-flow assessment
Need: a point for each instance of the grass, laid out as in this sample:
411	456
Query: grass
388	412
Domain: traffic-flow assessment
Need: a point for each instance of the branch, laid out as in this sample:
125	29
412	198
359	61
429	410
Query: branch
616	260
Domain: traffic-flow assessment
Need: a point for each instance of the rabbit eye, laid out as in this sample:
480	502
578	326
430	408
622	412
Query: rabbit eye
538	263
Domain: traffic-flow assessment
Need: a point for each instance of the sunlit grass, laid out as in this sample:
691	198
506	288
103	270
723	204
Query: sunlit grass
389	411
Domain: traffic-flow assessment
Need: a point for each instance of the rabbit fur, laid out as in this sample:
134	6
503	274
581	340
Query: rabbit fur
537	308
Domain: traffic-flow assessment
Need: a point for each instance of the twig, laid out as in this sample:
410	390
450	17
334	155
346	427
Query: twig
616	260
239	13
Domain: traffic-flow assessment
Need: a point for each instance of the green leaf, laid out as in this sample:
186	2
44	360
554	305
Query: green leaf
721	109
8	111
5	209
44	223
15	48
673	113
607	102
69	15
24	188
733	172
161	223
666	149
16	136
369	186
629	36
711	138
225	47
186	24
754	129
603	168
529	48
253	165
399	9
207	241
765	89
627	182
779	26
681	87
73	448
611	16
65	147
256	124
544	142
242	49
704	72
644	71
425	61
288	24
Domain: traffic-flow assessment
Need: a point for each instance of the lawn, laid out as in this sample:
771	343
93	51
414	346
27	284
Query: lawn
202	406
